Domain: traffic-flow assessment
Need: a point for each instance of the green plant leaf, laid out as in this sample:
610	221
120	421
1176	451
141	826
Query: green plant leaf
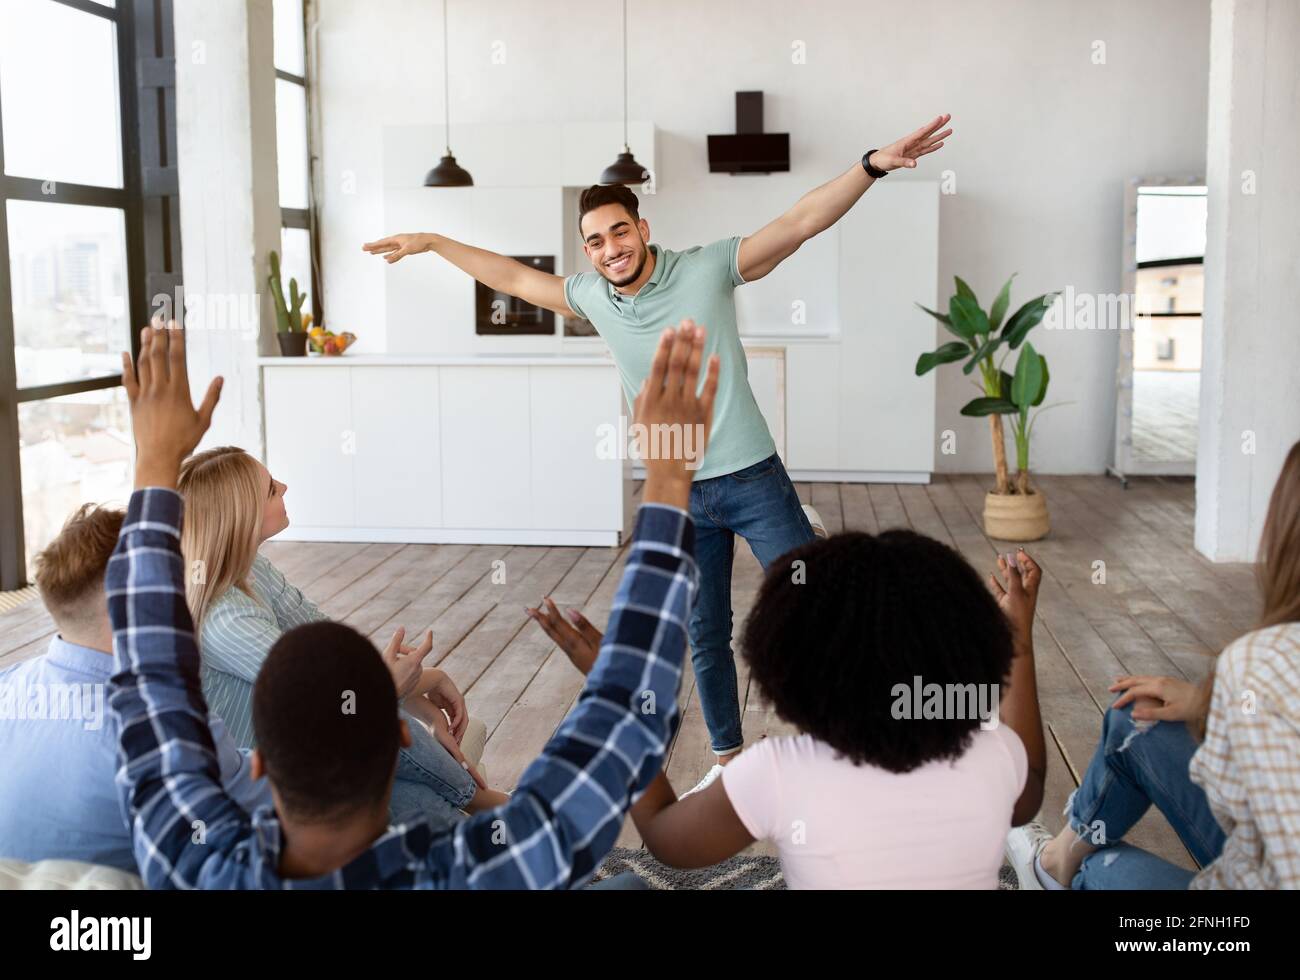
1000	305
1005	381
988	406
1028	378
941	317
965	290
954	350
1042	392
1026	318
968	320
985	349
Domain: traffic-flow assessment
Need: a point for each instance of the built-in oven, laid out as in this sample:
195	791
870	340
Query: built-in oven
498	313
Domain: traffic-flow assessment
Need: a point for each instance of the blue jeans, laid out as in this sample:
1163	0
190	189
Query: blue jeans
1138	764
429	782
760	504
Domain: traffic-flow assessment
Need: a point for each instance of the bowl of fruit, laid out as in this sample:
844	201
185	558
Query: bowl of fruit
327	342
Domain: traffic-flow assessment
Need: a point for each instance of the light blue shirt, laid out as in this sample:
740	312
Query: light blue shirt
238	633
59	755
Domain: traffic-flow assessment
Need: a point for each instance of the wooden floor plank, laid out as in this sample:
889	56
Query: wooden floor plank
826	498
855	501
887	506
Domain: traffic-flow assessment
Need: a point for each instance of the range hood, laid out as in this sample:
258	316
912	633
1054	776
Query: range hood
749	150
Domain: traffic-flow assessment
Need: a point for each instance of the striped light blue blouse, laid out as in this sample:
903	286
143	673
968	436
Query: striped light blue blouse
238	632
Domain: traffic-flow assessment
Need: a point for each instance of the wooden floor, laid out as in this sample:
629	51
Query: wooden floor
1163	609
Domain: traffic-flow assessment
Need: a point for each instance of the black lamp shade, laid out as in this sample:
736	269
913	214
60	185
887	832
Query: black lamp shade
624	170
448	173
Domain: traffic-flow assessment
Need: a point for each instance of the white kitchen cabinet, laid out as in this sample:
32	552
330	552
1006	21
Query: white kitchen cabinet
309	444
813	383
491	449
396	418
486	447
569	409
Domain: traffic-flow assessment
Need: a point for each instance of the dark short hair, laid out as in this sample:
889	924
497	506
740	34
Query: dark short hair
871	612
325	714
598	195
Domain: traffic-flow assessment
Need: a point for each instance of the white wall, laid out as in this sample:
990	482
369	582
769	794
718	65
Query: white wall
1045	137
1250	414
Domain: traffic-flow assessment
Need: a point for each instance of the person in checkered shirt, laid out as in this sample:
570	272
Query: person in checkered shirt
1221	760
326	709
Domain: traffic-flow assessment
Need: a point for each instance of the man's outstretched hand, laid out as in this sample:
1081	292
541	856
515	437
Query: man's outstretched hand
905	152
167	425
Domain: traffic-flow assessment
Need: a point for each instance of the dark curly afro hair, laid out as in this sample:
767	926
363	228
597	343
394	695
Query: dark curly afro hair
871	612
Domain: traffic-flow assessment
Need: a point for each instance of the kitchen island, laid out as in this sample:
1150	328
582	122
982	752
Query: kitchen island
454	448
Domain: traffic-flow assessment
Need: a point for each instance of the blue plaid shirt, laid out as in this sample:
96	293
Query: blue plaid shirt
561	821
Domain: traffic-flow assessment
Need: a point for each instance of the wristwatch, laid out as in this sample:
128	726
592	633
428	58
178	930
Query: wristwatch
866	165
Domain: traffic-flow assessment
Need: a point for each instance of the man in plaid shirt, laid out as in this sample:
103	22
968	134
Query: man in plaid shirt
567	810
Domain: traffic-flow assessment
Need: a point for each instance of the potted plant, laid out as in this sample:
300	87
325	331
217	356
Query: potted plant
1012	511
289	329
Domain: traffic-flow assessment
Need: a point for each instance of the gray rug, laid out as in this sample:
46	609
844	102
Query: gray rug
749	872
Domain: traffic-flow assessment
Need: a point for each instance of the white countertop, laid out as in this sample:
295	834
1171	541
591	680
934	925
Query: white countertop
454	360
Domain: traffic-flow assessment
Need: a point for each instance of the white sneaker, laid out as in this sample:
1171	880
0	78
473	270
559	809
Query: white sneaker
815	519
704	783
1022	848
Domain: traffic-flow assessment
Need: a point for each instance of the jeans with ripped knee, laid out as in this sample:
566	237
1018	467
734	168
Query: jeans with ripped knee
1137	764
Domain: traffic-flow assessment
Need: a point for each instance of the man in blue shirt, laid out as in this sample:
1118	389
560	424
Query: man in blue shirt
325	707
57	738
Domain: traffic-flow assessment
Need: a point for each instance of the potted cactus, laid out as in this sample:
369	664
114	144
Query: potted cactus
1013	511
289	328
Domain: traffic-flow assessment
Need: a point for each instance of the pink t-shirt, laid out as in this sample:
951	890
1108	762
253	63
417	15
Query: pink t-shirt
837	825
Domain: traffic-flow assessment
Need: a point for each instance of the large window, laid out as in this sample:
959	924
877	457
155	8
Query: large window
87	237
298	251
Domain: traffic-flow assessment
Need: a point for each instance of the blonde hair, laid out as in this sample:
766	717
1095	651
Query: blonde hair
223	517
1277	569
1279	547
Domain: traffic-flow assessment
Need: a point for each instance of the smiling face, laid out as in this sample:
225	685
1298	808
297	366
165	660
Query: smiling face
274	516
615	243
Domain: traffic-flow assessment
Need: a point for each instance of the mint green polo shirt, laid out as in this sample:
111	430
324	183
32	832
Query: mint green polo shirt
697	283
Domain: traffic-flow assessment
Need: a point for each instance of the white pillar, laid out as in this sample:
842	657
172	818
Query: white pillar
1250	382
230	207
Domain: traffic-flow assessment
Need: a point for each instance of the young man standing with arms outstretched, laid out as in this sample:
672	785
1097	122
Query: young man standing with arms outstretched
741	486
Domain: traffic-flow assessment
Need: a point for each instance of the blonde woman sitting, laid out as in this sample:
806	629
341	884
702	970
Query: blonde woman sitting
241	603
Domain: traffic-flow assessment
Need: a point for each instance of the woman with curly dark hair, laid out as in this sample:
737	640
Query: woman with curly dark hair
914	690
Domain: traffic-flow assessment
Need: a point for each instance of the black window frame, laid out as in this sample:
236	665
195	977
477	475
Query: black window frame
305	218
149	201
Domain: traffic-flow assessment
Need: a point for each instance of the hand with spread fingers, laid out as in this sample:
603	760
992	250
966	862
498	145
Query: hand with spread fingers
904	153
670	404
166	423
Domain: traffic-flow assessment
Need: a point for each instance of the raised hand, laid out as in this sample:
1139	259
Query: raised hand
167	426
1019	596
905	152
670	414
573	633
394	248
